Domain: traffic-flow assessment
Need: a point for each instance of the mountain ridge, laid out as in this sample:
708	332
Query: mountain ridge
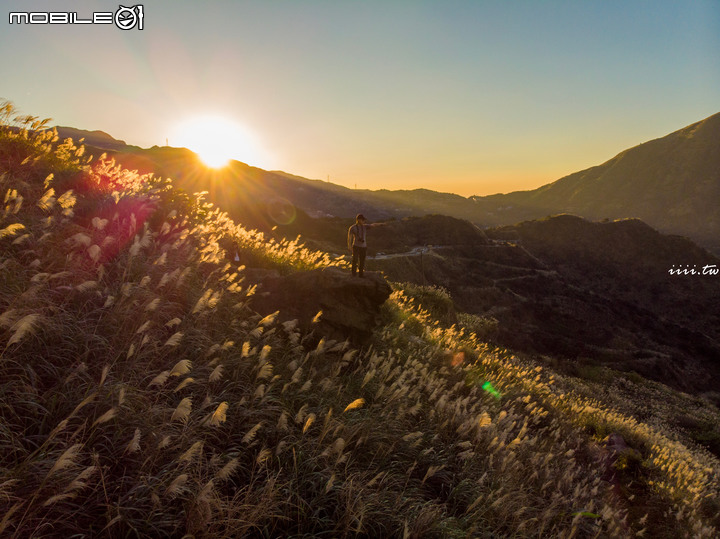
671	182
139	376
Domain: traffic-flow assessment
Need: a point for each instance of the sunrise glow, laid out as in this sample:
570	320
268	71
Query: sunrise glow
216	140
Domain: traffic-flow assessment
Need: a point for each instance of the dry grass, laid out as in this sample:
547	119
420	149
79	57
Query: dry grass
142	396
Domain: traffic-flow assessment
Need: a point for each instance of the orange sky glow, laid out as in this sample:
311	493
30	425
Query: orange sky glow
473	98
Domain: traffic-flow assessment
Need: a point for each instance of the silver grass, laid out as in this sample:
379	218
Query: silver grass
11	230
174	340
226	471
58	498
308	422
6	318
219	415
250	435
134	444
174	322
357	403
189	380
190	454
177	486
181	367
160	379
65	460
269	319
23	327
182	412
107	416
216	374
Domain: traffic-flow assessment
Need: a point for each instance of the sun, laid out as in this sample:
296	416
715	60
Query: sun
216	140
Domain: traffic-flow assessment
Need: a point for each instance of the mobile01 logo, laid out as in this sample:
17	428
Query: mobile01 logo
125	18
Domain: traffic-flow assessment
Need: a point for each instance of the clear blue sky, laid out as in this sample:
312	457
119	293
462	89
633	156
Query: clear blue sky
473	97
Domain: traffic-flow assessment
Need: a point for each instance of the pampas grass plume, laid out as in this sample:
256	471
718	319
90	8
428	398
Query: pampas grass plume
66	459
357	403
23	327
182	412
219	415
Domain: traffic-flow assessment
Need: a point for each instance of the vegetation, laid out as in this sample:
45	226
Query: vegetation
141	395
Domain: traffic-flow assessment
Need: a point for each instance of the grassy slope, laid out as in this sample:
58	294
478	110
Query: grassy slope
141	395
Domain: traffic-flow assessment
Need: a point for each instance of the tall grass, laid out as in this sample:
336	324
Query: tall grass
141	395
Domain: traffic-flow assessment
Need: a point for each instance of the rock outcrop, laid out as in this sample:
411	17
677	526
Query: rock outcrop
350	305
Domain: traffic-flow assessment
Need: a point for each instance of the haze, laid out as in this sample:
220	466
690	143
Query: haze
465	97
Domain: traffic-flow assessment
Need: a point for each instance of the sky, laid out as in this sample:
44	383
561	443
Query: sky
472	97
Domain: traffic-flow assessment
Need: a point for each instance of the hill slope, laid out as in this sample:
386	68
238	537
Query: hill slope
672	183
237	186
585	294
142	394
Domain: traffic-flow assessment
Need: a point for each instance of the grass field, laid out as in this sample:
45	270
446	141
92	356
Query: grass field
141	395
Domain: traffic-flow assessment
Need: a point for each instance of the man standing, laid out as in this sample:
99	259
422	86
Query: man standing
357	244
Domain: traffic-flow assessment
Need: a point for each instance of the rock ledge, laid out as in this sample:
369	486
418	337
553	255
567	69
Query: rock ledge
350	305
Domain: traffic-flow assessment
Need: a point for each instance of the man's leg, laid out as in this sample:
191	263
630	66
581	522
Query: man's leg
355	260
363	252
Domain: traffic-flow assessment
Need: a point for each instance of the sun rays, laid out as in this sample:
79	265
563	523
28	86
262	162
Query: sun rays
217	140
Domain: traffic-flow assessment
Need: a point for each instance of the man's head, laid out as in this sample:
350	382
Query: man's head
360	218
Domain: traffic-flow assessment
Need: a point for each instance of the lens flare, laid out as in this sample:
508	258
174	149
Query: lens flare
281	211
458	358
487	386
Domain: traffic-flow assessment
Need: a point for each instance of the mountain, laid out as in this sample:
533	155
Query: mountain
152	386
562	287
237	185
672	183
612	290
98	139
583	293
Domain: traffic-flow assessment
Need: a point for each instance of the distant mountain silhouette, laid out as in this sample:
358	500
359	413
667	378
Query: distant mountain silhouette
239	188
98	139
672	183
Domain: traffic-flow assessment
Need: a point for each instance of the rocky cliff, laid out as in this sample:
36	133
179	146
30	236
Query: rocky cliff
348	306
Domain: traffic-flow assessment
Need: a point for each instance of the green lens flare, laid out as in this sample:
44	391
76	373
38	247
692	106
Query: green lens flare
487	386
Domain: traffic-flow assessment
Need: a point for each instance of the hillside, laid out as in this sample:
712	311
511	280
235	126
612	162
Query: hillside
672	183
617	300
238	186
583	293
96	139
144	395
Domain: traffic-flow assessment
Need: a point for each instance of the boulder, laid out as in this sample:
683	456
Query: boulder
350	305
